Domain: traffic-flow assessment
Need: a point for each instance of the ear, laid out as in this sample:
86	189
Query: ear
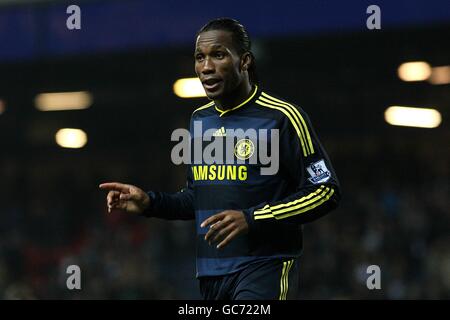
246	61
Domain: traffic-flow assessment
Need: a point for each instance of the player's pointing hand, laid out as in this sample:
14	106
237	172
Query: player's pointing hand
125	197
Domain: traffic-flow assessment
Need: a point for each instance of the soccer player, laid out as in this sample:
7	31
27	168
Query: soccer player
249	224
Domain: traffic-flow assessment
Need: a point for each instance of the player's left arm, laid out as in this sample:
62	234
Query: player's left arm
306	162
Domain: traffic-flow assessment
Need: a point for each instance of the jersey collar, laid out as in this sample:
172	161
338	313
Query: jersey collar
246	101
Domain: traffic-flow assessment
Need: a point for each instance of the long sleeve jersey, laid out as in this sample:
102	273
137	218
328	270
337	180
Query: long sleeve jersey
301	188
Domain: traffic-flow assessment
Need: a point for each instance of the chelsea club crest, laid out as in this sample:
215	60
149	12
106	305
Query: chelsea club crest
244	149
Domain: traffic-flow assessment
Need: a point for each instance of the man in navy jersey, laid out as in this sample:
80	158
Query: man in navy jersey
249	222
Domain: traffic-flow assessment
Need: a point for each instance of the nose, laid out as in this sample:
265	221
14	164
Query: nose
208	66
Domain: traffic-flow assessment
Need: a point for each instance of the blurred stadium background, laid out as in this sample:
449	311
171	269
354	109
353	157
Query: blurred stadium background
395	211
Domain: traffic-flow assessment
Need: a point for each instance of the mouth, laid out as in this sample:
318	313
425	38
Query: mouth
211	84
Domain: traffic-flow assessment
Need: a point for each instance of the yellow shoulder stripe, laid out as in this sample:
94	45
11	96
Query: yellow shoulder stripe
287	114
293	115
294	110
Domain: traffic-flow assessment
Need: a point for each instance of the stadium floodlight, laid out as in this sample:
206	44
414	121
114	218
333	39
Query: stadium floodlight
71	138
414	71
413	117
440	75
189	88
59	101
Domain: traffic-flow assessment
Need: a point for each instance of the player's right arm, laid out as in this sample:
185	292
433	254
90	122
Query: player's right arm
172	206
169	206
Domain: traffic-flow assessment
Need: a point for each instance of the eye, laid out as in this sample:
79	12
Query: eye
219	55
199	57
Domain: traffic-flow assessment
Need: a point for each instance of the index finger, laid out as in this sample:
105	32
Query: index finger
212	219
115	186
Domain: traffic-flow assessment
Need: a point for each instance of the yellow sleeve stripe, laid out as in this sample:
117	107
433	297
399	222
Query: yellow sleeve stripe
300	209
325	198
323	195
284	281
286	113
293	115
303	204
299	116
269	209
204	106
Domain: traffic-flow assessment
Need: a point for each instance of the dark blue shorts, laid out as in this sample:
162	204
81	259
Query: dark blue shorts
275	279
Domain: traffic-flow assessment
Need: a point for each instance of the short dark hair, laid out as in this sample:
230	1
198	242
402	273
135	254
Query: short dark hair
241	40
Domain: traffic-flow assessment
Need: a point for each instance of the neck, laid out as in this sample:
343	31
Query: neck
234	98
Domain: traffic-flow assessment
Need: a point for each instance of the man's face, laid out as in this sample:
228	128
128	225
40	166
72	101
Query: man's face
217	63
